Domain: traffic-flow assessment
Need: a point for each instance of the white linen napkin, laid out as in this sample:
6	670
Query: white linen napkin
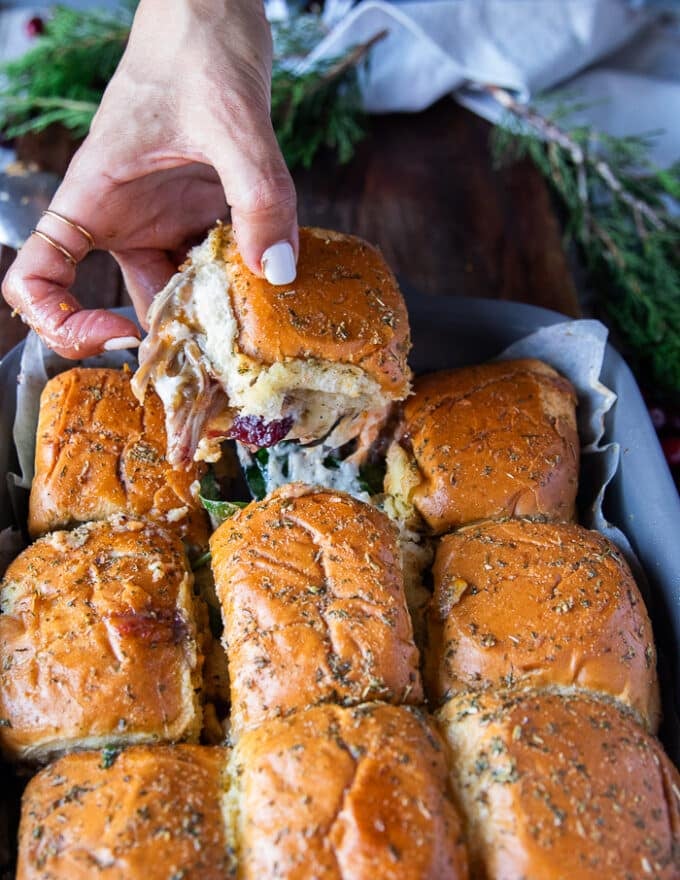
612	53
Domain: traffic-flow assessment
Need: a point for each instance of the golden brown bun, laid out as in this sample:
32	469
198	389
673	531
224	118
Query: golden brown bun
488	441
153	814
98	453
313	605
561	787
344	306
334	793
97	642
527	604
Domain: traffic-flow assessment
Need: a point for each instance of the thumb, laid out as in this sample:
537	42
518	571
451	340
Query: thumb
261	193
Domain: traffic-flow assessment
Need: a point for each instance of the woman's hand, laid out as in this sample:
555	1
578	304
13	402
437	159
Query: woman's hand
183	129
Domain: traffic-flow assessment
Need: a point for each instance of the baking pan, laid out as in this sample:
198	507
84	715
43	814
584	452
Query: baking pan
641	499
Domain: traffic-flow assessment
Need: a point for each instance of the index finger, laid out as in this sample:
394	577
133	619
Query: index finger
37	285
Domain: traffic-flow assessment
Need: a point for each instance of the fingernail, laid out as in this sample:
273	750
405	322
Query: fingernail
278	263
121	342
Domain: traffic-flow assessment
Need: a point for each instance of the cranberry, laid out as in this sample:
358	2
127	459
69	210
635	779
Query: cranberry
160	627
254	431
35	26
671	449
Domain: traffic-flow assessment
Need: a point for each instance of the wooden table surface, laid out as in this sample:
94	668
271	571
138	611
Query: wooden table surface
422	187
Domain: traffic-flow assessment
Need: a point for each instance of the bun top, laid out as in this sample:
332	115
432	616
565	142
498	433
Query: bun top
528	603
494	440
99	453
313	603
97	641
560	786
344	306
147	812
336	793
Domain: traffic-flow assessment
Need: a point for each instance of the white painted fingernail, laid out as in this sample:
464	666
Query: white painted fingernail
118	343
278	263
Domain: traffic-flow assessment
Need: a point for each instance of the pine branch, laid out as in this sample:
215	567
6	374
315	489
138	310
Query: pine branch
63	77
617	210
553	134
340	66
321	107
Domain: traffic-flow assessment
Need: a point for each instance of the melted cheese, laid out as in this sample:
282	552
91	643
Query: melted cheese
292	463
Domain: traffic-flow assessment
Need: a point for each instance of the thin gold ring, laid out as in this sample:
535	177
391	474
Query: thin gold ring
55	244
81	229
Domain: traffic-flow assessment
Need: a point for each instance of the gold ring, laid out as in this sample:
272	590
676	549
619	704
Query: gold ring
90	239
55	244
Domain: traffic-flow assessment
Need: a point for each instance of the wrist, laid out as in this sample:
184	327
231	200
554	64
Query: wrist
206	28
202	7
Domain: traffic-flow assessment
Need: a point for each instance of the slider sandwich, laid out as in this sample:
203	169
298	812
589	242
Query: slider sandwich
340	793
98	642
527	604
561	787
232	356
312	595
488	441
144	813
99	453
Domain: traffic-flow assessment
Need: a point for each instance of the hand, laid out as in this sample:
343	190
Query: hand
183	129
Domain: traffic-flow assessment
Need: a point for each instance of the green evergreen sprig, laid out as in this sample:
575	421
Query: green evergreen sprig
618	211
61	79
320	107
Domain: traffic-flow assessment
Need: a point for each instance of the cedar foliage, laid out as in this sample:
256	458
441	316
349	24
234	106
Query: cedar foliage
61	79
619	210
